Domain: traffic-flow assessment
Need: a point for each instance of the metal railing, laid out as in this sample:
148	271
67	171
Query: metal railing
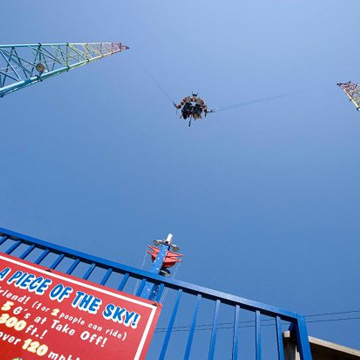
185	330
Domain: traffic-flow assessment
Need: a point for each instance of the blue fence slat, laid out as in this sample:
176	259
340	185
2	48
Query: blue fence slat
106	276
57	261
258	334
123	282
192	329
280	344
214	330
302	339
3	239
141	287
170	327
27	252
13	247
159	292
73	266
236	333
42	256
89	271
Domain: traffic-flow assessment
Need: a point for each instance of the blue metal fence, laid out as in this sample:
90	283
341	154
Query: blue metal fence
184	330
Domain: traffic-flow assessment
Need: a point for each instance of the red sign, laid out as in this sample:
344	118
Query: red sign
46	314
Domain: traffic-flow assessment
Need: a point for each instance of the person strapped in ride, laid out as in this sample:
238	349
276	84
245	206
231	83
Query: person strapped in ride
192	106
199	107
186	106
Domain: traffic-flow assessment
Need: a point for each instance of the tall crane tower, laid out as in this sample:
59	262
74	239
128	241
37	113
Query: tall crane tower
23	65
352	90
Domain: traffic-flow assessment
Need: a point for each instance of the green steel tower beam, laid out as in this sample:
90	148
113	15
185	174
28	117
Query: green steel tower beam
23	65
352	90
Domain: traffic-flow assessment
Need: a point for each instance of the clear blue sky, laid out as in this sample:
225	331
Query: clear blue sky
263	200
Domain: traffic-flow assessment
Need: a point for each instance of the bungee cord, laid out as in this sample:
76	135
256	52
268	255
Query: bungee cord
256	101
156	82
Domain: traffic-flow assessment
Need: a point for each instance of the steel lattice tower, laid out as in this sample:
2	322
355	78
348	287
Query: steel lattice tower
352	90
26	64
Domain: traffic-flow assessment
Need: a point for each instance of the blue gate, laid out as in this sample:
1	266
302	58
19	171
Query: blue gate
237	328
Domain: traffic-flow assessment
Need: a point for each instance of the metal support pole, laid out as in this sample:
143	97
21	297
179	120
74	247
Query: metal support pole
302	338
150	290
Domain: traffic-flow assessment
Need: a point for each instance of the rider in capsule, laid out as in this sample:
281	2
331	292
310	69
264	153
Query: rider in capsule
199	107
192	106
186	107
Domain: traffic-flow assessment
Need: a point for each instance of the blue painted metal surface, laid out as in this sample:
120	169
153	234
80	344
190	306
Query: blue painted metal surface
302	338
192	329
280	344
151	290
236	333
185	308
258	334
171	325
214	330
